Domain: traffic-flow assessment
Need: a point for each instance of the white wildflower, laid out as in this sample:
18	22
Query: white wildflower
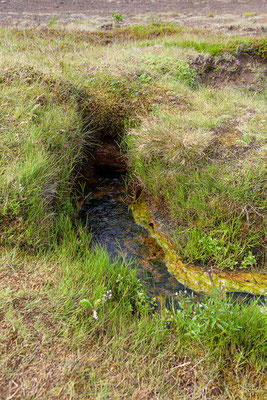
95	316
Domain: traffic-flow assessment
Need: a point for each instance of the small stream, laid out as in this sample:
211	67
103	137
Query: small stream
111	223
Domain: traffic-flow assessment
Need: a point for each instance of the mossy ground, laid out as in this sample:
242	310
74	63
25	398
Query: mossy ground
196	149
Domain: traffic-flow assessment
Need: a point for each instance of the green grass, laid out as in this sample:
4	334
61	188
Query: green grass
249	14
209	187
76	324
236	47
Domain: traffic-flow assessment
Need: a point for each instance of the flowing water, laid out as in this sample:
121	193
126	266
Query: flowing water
110	221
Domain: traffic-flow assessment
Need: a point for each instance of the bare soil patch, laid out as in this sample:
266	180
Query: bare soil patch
104	7
90	15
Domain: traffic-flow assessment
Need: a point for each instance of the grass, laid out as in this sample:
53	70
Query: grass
74	323
178	157
249	14
237	46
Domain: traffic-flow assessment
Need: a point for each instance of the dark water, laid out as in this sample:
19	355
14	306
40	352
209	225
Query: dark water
112	225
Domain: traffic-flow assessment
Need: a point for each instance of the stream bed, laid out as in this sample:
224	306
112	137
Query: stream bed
111	223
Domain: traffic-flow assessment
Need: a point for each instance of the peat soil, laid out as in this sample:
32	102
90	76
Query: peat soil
219	15
133	6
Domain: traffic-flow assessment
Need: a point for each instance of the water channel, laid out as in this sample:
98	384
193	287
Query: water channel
112	225
109	219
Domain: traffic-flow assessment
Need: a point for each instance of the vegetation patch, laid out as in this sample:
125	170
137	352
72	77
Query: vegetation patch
74	323
133	32
207	169
237	47
193	276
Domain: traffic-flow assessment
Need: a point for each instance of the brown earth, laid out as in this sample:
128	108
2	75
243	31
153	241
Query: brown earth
91	7
225	13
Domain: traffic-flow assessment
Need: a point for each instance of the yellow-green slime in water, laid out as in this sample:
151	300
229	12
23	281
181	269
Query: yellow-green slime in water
192	276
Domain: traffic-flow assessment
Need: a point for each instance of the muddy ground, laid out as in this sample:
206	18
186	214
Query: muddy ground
92	14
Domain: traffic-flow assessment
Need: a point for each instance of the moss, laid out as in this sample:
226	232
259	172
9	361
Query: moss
192	276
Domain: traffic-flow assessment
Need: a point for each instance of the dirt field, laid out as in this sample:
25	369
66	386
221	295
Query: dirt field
92	14
90	7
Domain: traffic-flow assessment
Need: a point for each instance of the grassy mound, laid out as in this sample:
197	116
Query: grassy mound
204	164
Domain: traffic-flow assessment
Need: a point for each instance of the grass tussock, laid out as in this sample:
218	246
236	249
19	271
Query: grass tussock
206	165
74	323
41	142
237	47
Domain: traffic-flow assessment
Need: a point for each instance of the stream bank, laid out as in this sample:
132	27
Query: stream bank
128	230
109	218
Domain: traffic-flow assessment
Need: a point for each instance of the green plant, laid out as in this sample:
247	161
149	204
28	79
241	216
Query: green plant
146	78
249	14
118	18
52	22
249	261
246	139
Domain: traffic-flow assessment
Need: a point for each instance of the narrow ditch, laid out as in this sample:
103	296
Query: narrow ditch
108	217
107	214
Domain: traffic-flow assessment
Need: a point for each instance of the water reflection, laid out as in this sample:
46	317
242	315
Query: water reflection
112	225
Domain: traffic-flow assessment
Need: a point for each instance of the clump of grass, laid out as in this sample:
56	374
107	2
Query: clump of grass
178	158
52	22
44	133
248	46
249	14
118	18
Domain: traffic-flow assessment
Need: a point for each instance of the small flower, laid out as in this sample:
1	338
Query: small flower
176	293
95	316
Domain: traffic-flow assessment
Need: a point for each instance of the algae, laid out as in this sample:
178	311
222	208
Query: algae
193	276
